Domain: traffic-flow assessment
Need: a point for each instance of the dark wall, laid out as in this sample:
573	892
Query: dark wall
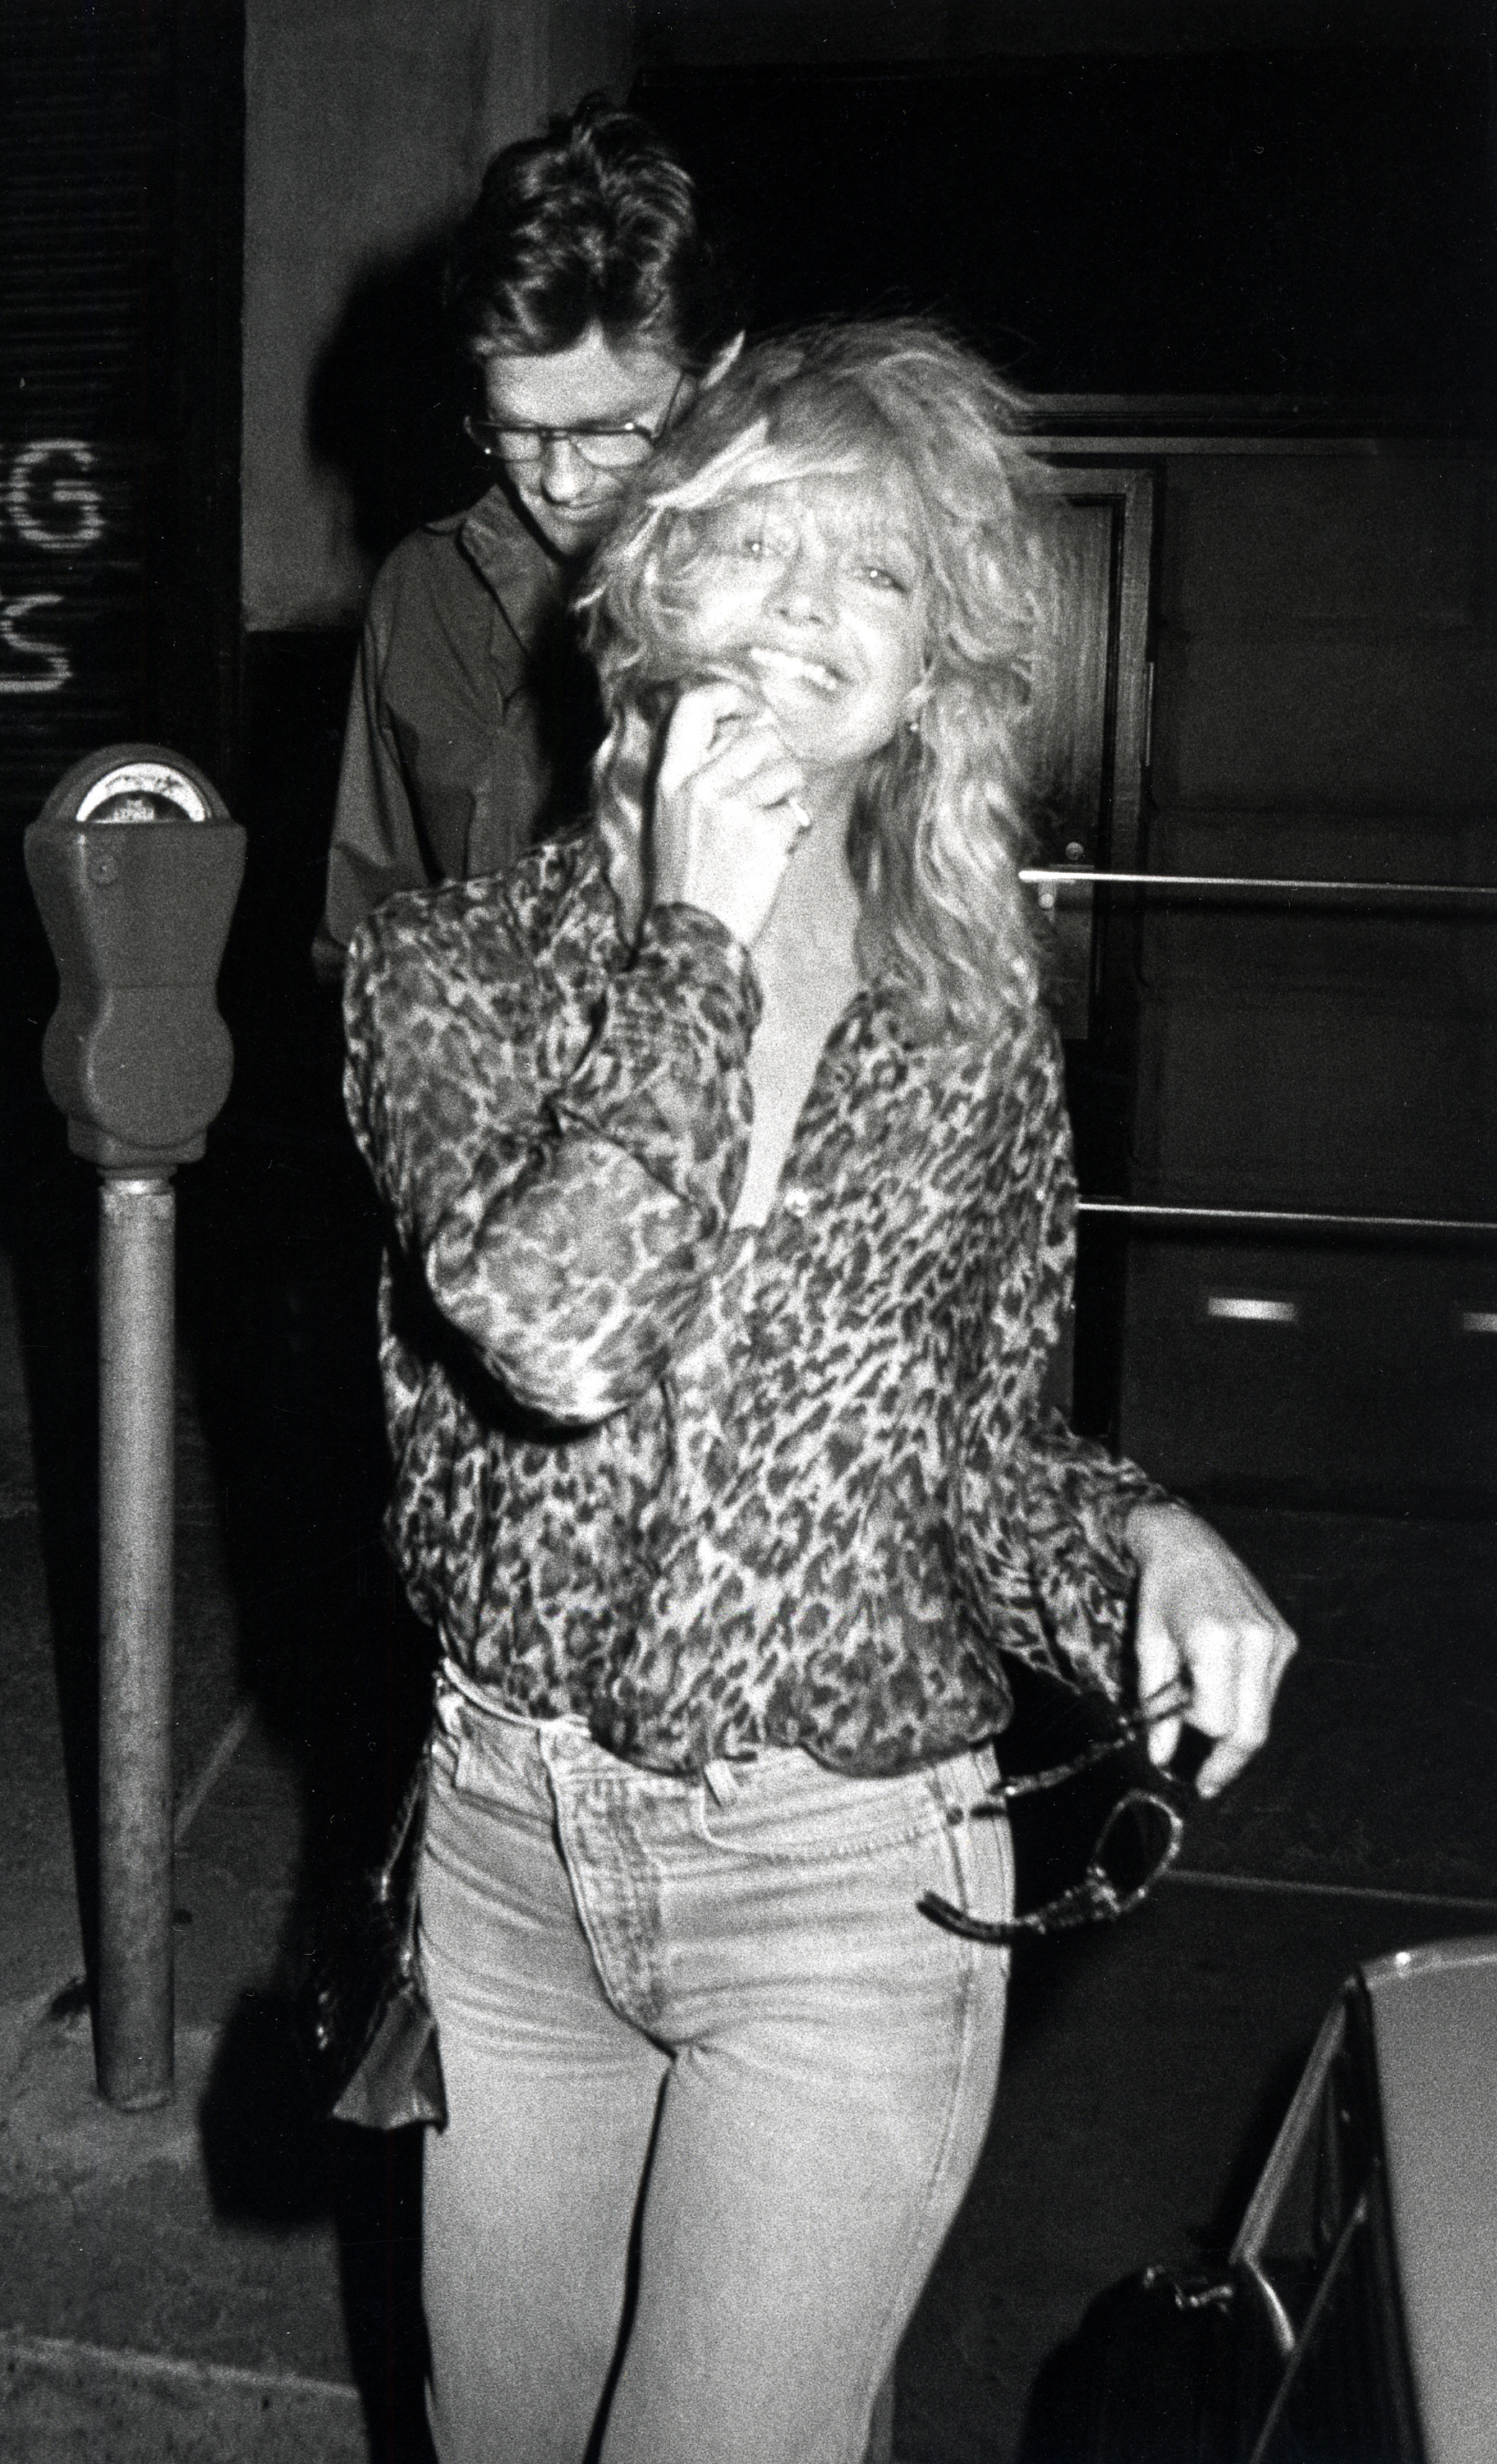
1232	220
119	311
1326	642
368	126
1325	647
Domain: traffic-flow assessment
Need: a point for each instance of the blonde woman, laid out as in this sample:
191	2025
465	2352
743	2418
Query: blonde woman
728	1179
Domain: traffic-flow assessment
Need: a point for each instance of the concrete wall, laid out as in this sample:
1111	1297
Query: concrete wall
369	124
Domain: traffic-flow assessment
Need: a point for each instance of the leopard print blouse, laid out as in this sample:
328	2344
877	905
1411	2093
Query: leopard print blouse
715	1489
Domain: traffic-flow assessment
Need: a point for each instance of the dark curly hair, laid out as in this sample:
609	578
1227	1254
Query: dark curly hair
593	223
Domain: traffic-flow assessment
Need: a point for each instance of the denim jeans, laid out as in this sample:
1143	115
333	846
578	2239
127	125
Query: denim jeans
716	2091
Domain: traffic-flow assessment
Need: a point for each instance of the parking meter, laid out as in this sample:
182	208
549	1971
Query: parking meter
135	866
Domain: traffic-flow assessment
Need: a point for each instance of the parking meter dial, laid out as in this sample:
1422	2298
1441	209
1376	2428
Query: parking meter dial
144	791
135	864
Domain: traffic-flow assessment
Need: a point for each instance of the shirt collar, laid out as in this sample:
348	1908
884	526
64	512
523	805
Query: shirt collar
526	583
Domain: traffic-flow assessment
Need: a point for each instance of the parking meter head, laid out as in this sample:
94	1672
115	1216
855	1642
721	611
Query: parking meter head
135	866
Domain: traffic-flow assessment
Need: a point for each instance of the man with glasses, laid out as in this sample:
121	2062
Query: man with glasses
592	311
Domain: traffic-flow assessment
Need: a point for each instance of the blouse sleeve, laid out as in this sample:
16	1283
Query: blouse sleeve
1043	1559
559	1143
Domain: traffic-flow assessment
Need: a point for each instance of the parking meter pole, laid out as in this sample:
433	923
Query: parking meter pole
136	1228
135	864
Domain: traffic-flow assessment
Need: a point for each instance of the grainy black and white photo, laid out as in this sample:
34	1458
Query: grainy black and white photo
748	1231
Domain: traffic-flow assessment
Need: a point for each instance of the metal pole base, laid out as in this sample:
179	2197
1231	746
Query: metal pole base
136	1243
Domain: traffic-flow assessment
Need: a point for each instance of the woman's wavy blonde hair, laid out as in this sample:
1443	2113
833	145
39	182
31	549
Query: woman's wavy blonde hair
940	820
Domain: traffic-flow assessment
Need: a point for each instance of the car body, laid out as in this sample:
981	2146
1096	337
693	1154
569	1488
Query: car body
1356	2321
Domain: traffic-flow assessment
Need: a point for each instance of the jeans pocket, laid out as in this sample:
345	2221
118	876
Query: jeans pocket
495	1763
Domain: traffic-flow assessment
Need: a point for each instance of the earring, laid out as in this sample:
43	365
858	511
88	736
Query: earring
912	728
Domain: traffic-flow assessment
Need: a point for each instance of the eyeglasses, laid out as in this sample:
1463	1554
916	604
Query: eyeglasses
603	449
1138	1840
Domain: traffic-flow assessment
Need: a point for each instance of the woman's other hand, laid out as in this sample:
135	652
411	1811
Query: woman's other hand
727	810
1202	1615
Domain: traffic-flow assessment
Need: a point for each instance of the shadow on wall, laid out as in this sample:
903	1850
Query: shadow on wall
385	401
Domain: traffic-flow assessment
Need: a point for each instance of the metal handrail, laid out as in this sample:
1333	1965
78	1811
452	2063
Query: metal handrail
1049	876
1291	1219
1276	1219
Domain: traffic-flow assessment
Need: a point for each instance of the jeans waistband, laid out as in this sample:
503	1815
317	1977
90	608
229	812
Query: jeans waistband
454	1687
458	1695
464	1708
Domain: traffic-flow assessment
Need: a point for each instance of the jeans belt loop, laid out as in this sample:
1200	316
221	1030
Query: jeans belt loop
723	1780
449	1715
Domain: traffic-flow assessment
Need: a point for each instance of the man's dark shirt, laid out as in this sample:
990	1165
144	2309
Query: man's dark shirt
472	721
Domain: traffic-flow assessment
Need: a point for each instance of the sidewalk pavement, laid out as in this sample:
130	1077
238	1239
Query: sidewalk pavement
211	2280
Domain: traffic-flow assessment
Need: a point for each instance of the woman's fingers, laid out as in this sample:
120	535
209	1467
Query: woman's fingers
1236	1672
1159	1671
727	809
1204	1617
753	763
697	719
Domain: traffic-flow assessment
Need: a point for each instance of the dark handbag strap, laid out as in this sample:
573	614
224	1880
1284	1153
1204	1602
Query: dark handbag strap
401	1857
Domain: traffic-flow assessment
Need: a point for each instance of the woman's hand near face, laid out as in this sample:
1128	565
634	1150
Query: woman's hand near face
727	809
1203	1617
